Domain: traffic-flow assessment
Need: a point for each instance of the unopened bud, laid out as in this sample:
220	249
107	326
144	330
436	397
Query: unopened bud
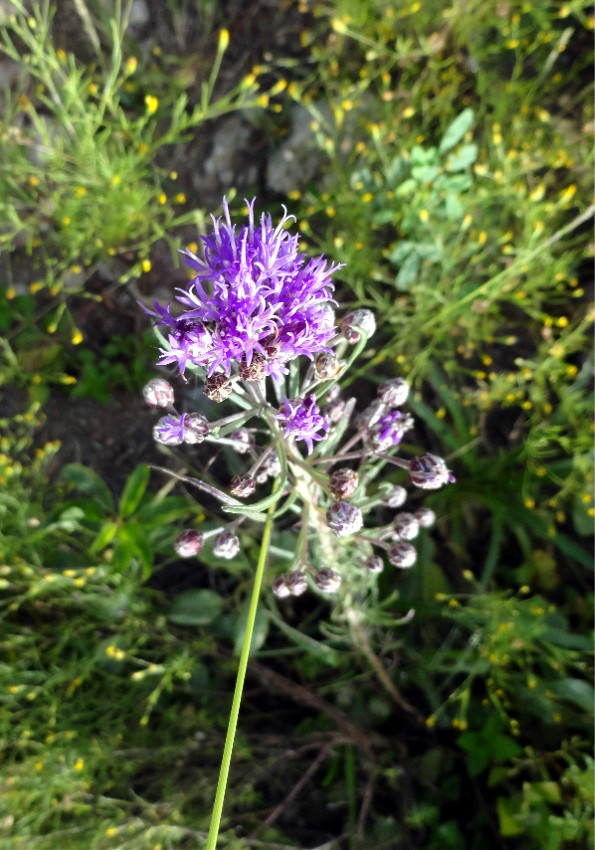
394	393
406	526
327	580
327	365
402	554
344	518
270	468
279	588
396	497
334	410
226	545
343	483
356	323
242	485
158	393
218	387
375	564
370	414
429	472
189	543
243	440
425	517
196	428
296	583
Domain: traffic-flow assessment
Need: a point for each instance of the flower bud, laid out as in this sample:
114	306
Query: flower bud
280	588
158	393
389	430
189	543
425	517
196	428
333	393
396	497
226	545
327	580
375	564
327	365
356	323
429	472
402	554
296	583
406	526
343	483
270	468
394	393
242	485
169	430
344	518
370	414
243	440
334	410
218	387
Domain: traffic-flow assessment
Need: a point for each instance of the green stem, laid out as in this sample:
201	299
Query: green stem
237	697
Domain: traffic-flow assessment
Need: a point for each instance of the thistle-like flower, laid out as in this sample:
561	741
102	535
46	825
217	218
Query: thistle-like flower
303	420
254	305
254	296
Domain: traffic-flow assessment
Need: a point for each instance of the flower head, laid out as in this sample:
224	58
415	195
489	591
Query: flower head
389	430
253	296
303	420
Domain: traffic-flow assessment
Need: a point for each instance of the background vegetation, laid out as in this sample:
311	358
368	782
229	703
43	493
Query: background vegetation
447	161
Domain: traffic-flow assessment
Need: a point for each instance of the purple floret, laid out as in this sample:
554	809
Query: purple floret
254	293
303	420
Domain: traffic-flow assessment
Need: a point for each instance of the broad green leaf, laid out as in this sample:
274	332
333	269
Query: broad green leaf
134	490
463	158
87	481
408	273
456	130
195	607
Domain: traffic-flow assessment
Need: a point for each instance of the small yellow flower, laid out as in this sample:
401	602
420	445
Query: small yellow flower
152	103
223	40
424	216
146	266
131	65
263	100
76	337
162	198
116	180
79	764
143	148
408	112
180	198
93	88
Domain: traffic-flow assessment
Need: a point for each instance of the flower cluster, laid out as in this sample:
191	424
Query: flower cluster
254	306
254	303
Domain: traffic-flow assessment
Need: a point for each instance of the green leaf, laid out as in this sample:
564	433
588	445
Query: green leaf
261	628
574	690
195	607
163	512
134	490
104	538
463	158
456	130
87	481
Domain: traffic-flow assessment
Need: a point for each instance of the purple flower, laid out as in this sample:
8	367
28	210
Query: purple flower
389	430
170	430
302	420
253	294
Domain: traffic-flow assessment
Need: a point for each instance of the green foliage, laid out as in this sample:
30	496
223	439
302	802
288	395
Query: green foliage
456	187
79	182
